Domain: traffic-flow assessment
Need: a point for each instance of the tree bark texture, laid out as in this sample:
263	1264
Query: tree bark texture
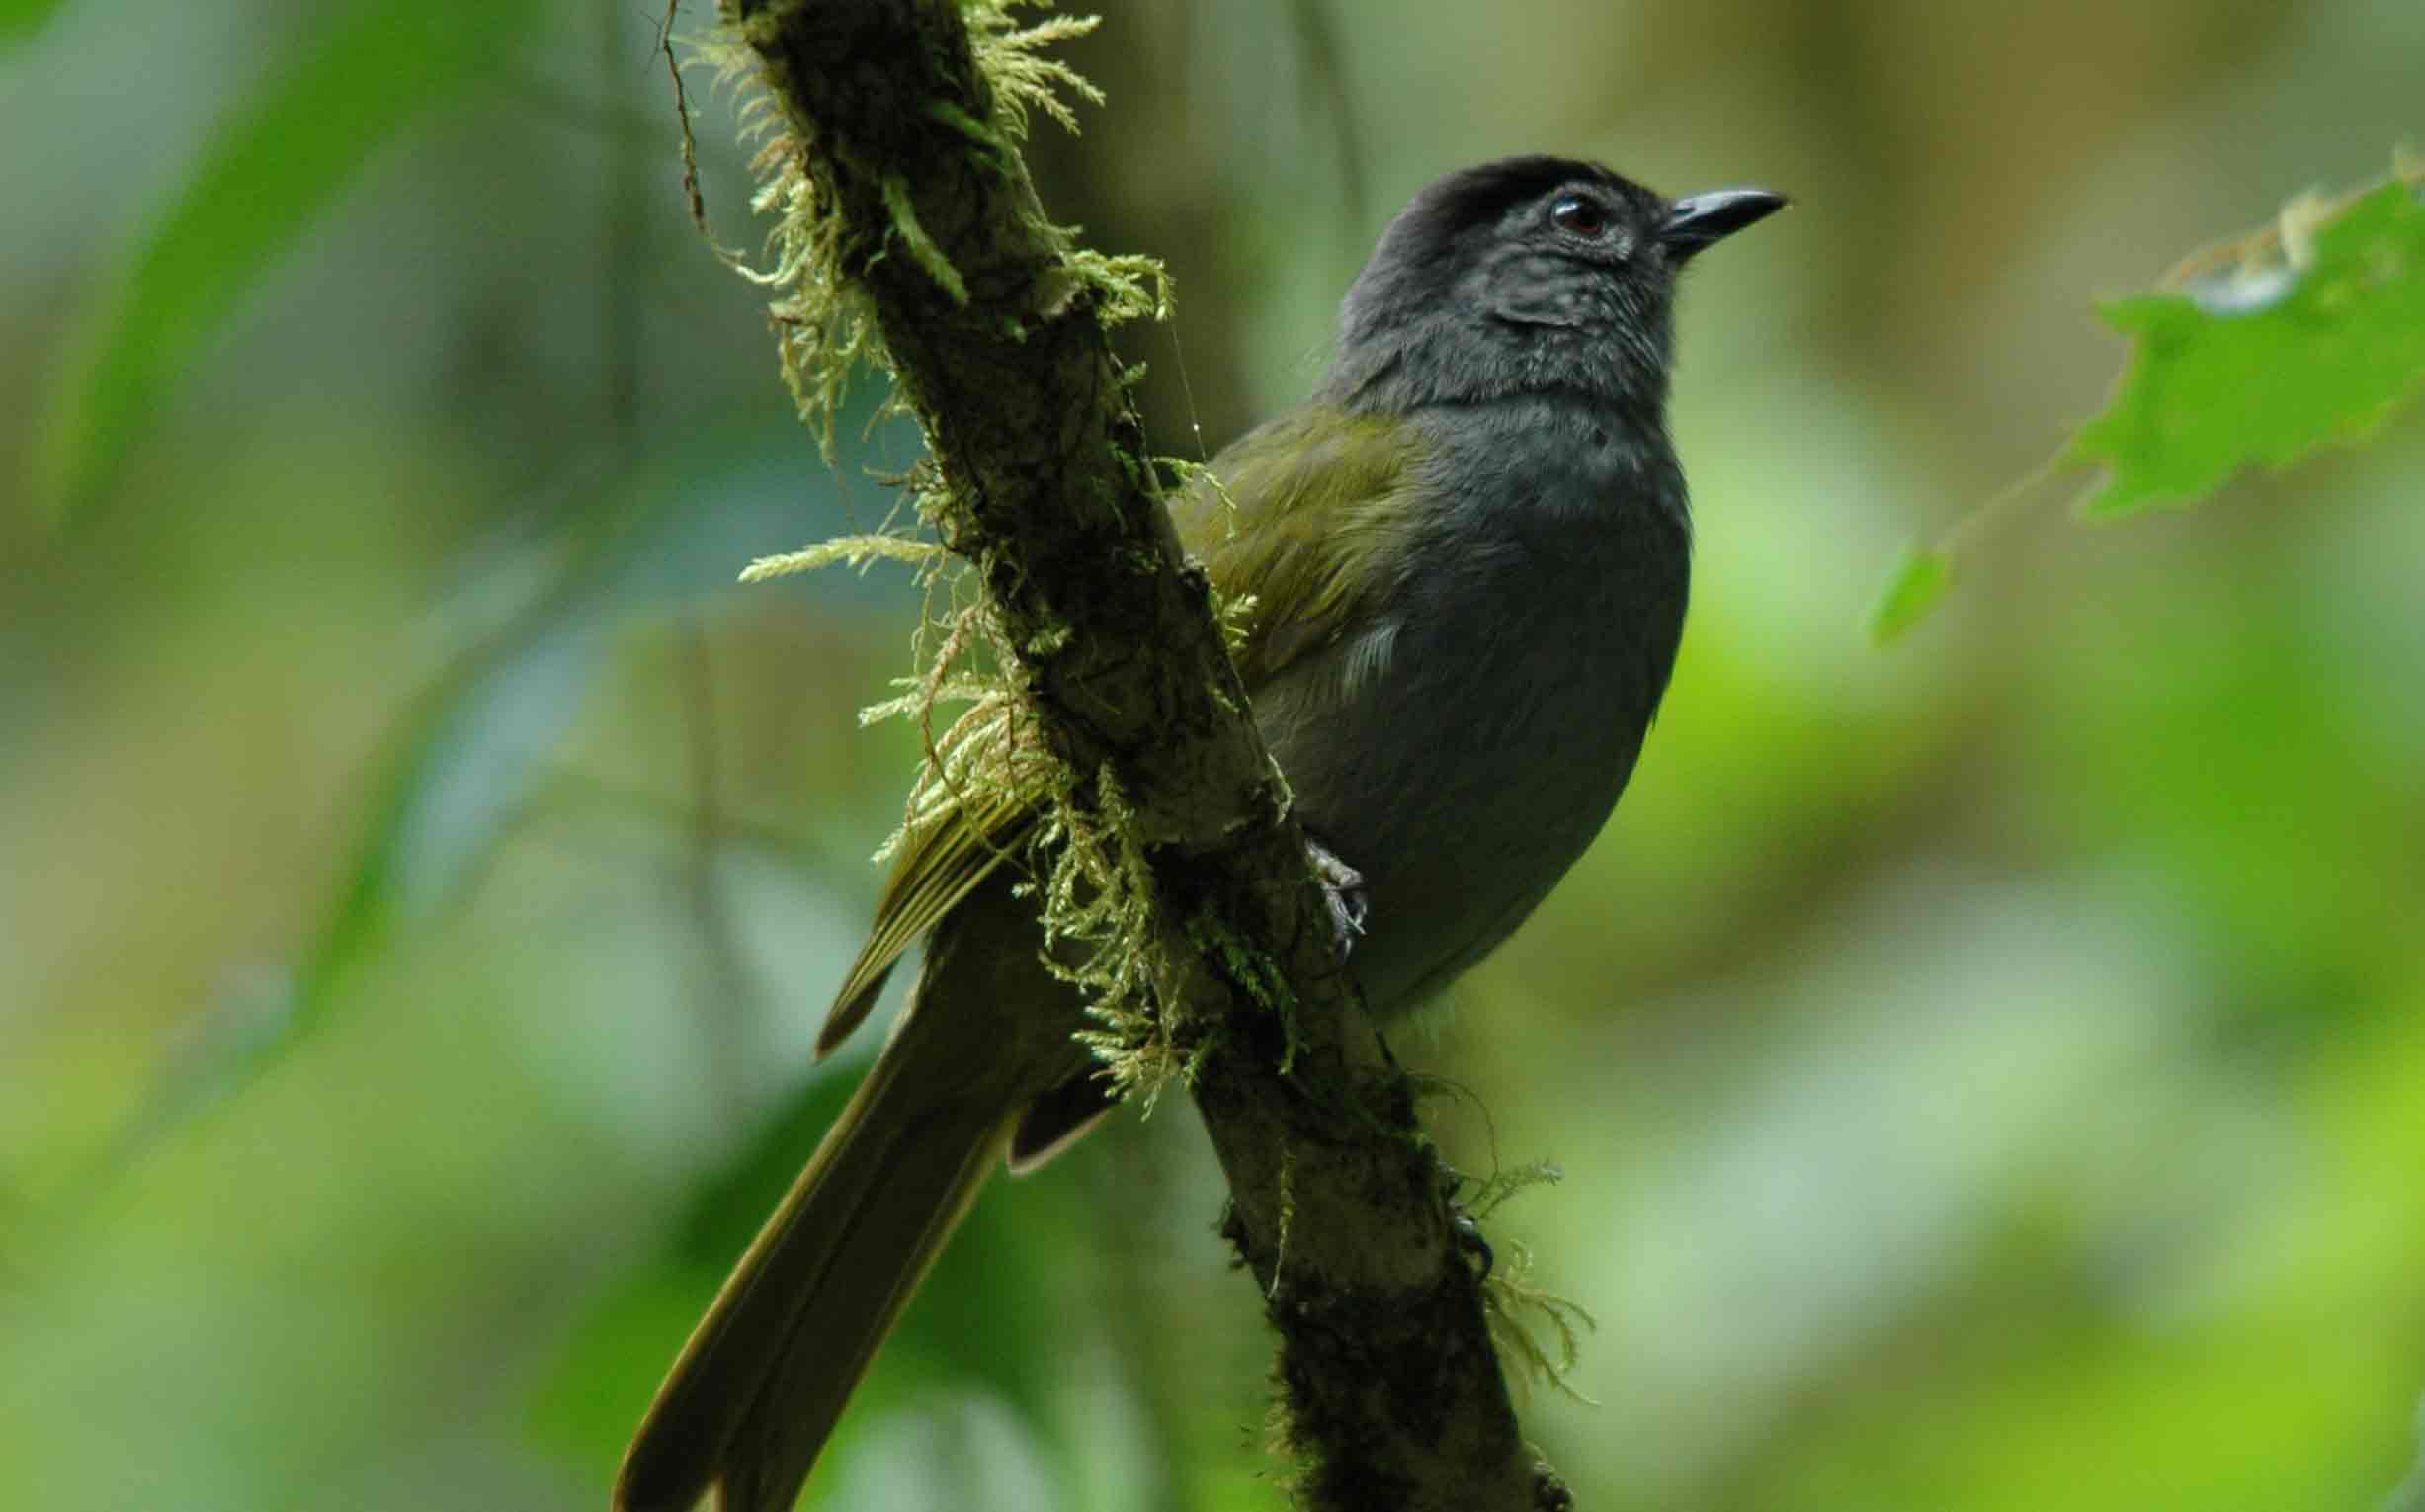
1394	1398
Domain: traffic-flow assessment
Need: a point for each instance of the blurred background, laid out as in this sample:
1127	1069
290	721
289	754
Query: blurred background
1987	1075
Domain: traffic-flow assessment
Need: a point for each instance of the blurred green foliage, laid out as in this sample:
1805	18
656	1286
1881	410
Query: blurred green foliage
291	147
1984	1076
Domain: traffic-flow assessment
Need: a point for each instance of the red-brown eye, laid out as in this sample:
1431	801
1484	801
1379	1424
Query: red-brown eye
1578	216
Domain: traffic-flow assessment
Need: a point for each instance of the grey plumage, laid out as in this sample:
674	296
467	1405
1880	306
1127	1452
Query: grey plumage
1534	617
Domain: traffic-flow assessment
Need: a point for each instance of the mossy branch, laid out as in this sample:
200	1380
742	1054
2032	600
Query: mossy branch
912	239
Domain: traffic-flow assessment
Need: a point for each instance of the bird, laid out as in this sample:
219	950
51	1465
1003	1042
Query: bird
1468	558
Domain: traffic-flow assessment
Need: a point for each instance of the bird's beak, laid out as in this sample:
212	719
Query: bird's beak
1701	220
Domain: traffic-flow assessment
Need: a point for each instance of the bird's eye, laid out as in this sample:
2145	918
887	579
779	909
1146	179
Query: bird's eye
1578	216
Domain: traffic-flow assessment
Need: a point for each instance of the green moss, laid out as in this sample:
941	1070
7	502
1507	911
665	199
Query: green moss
1096	888
922	248
852	551
1252	972
1520	1313
998	151
1101	893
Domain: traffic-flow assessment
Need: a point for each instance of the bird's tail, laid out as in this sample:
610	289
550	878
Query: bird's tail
765	1377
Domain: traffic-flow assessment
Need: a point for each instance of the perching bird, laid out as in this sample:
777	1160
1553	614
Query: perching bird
1467	554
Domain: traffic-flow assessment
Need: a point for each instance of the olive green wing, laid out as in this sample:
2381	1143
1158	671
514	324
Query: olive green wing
1302	515
1299	514
942	860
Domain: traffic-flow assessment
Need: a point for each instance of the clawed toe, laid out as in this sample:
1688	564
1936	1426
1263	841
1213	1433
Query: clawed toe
1469	1240
1343	891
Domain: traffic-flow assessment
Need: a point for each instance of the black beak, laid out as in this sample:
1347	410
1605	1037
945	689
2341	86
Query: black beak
1702	220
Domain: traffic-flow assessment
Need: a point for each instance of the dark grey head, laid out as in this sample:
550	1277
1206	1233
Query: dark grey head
1527	275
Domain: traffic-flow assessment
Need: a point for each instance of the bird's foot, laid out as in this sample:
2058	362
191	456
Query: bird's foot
1343	891
1468	1228
1470	1239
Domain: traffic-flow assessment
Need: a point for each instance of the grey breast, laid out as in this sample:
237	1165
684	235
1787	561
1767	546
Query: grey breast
1465	749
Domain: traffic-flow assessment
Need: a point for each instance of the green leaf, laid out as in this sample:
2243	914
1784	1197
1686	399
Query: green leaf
2259	367
1918	583
273	170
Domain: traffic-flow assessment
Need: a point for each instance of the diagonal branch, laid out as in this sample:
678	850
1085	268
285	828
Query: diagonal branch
994	328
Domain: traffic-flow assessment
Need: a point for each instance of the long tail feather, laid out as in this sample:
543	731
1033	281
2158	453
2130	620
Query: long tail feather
765	1376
